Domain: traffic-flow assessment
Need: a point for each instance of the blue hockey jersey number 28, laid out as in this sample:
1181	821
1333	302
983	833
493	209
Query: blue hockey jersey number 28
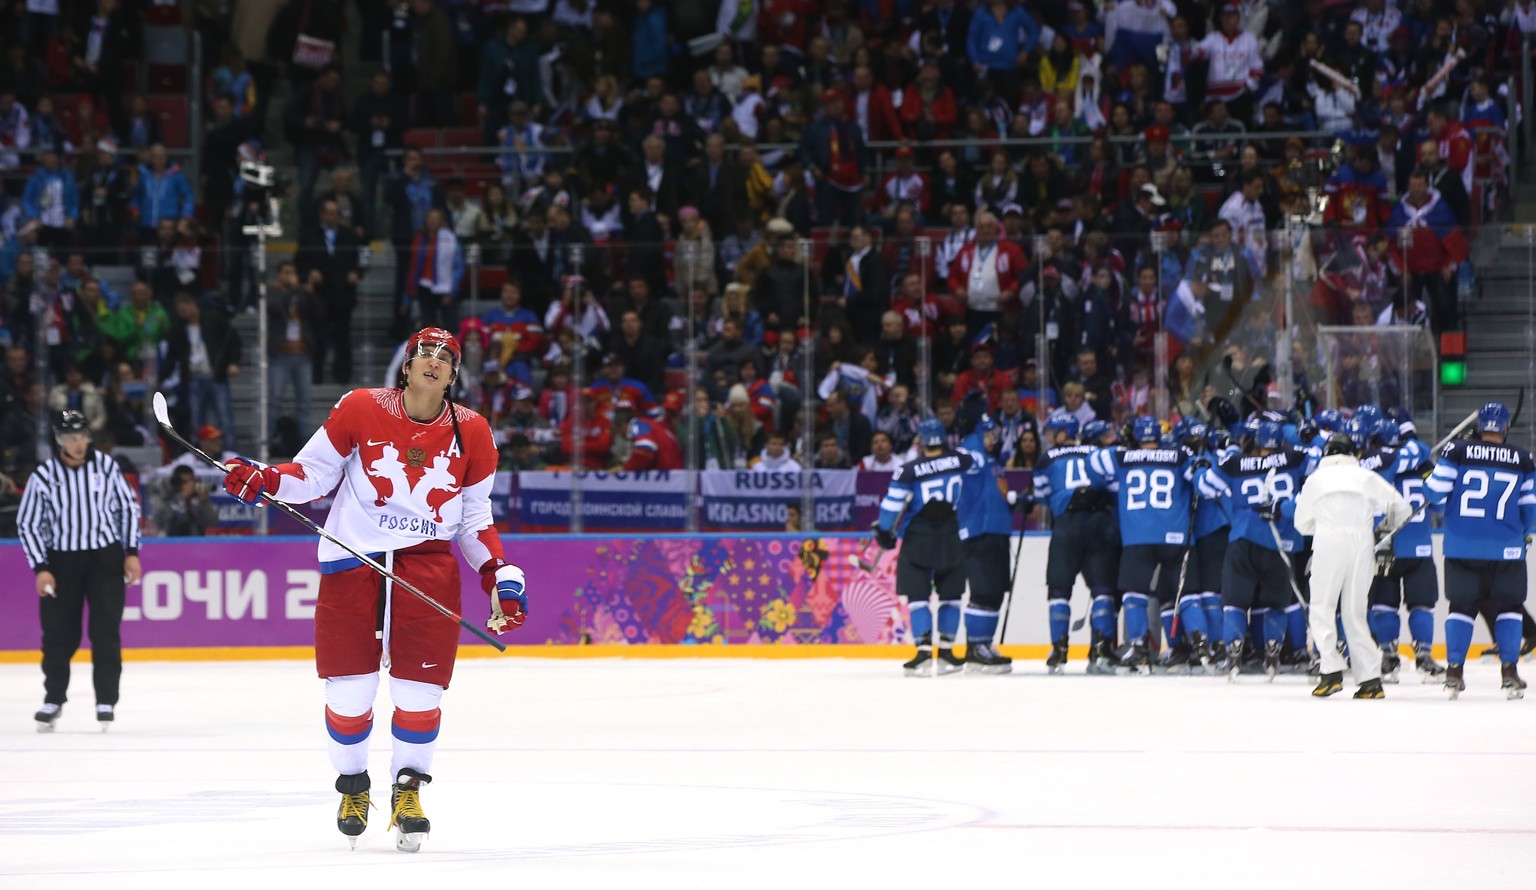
1154	490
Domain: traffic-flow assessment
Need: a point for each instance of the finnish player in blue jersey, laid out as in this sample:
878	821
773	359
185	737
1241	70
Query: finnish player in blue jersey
919	507
1489	490
1153	489
986	524
1408	577
1260	491
1213	526
1084	540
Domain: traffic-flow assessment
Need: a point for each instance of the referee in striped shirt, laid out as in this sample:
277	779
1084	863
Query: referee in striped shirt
79	526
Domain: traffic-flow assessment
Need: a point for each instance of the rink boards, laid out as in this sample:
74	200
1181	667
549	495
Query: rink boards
650	596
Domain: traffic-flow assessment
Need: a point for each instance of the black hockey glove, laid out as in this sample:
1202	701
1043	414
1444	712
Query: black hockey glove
1022	501
1306	432
885	537
1202	463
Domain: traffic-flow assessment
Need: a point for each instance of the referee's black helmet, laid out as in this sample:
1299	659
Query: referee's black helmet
70	421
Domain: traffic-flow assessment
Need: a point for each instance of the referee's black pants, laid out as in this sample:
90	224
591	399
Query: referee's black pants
83	578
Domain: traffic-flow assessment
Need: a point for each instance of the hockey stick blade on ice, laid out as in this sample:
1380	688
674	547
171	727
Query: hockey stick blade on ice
163	418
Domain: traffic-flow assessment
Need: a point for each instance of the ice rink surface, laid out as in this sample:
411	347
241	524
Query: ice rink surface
780	773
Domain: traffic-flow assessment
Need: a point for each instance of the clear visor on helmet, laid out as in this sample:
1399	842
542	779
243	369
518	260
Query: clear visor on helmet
435	349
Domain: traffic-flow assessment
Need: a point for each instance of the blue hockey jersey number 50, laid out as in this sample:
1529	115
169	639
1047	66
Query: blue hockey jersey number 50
940	488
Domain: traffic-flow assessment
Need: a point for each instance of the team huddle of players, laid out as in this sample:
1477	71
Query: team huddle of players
1201	522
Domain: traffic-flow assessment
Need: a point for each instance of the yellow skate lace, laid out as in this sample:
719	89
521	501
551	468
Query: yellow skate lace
407	806
354	805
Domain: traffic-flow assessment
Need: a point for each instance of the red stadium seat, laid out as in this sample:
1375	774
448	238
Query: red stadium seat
421	139
157	14
490	280
173	119
462	136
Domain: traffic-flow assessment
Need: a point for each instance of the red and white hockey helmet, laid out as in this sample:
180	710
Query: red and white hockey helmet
431	343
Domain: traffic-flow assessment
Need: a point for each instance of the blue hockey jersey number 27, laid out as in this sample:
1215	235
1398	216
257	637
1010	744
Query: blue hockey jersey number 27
1489	493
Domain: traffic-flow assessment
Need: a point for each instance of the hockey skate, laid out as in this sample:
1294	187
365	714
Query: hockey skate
1513	686
1454	684
1429	669
1232	665
920	665
1200	654
1057	662
410	823
1391	663
1101	658
1329	684
1134	659
949	662
352	815
1296	661
1271	659
104	716
1371	689
1177	660
983	658
46	716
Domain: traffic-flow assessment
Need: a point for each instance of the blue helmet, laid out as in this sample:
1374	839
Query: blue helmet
1370	414
1250	428
1194	434
1217	439
1403	419
1064	423
1268	435
1146	429
985	425
1493	418
930	433
1360	431
1093	429
1387	433
1329	420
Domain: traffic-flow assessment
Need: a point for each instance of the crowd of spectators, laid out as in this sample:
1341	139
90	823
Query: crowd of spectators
1093	175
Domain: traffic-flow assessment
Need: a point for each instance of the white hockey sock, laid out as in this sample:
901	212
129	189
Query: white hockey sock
349	720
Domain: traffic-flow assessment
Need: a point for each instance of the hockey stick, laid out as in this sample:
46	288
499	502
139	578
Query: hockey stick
163	417
861	559
1189	547
1013	574
1290	570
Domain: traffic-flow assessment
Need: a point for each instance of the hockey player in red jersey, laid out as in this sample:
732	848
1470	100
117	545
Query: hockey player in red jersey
655	447
412	473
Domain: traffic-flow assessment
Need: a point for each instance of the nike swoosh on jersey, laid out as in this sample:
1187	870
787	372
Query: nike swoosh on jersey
373	444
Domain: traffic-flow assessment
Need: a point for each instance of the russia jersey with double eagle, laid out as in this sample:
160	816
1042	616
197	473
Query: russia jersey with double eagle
402	482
